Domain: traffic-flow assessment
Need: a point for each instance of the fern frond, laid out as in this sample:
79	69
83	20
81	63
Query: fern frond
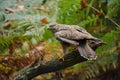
113	8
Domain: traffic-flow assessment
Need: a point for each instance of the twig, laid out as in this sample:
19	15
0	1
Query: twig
107	17
103	14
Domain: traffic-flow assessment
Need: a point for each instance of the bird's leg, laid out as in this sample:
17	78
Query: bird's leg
68	41
64	48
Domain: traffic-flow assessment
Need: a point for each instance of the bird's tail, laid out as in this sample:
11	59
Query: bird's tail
86	52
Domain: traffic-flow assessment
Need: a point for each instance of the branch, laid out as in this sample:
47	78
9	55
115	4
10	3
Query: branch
53	65
103	14
85	4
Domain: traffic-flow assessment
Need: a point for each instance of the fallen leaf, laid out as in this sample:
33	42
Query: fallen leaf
43	8
10	10
43	21
7	24
20	7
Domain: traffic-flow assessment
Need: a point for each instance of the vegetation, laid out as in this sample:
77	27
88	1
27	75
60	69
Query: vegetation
24	37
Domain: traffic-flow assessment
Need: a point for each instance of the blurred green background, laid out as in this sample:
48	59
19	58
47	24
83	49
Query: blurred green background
23	28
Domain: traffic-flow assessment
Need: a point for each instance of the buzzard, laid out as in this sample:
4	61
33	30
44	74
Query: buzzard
75	35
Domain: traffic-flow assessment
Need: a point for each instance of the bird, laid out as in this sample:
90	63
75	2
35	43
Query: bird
74	35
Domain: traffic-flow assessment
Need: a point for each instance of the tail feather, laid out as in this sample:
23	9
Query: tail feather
86	52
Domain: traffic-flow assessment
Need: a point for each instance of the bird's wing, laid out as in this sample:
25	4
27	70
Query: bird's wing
78	28
73	34
69	27
66	27
85	34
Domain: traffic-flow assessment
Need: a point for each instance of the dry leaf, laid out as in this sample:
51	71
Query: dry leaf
7	24
19	0
20	7
43	21
43	8
84	3
10	10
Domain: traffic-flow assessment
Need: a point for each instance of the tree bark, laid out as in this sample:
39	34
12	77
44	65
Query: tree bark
53	65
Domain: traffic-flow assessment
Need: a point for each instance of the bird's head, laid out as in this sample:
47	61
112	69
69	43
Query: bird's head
53	27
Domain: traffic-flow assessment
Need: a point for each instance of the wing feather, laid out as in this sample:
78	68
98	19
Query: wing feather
74	32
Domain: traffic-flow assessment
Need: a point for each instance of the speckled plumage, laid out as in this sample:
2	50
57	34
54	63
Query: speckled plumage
78	36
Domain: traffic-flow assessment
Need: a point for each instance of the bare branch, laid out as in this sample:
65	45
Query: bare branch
103	14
